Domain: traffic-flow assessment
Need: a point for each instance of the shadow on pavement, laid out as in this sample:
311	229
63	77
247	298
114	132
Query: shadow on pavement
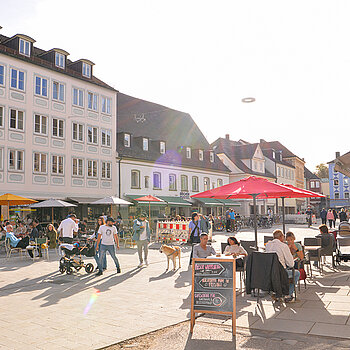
209	344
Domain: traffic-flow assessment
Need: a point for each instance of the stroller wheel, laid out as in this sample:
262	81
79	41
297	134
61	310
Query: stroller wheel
62	269
69	270
89	268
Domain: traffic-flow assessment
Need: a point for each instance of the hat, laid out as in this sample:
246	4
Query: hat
110	219
143	214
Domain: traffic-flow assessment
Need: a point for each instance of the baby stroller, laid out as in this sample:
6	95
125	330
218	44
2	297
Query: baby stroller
343	249
72	258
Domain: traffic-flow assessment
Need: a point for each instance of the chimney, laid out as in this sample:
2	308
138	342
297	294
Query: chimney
337	154
227	136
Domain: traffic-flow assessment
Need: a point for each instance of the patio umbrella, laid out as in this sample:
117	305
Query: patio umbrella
251	187
11	199
52	203
111	201
149	199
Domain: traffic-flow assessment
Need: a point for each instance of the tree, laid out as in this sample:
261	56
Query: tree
321	171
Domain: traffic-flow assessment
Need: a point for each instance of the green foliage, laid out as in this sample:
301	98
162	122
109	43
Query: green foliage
322	171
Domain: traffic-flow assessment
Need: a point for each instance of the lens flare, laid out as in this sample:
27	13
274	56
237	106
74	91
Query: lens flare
93	298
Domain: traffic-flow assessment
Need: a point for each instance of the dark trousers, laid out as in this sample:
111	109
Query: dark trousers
23	244
331	223
68	240
324	221
195	240
228	224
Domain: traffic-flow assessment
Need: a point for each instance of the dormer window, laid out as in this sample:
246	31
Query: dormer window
86	70
24	47
162	147
127	142
201	154
145	144
211	156
60	60
188	152
273	154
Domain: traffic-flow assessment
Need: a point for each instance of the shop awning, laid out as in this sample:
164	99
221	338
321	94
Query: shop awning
153	204
84	200
229	203
209	202
175	201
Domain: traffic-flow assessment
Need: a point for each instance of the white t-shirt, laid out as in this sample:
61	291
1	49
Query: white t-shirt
107	234
235	249
143	234
68	226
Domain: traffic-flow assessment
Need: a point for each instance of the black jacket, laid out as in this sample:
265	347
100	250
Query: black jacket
264	271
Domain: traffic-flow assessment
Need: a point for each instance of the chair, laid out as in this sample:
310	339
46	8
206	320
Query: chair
267	239
9	249
328	247
40	242
313	255
249	246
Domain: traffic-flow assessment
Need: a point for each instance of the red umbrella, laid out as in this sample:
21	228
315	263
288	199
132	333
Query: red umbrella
254	187
149	199
305	193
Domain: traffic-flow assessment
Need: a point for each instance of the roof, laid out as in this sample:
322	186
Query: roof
35	59
268	154
277	146
142	118
309	175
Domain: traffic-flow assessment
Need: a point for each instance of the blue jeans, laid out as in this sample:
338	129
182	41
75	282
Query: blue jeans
97	256
103	251
296	279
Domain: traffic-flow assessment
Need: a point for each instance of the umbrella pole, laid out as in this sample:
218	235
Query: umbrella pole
149	214
8	210
52	215
283	217
255	222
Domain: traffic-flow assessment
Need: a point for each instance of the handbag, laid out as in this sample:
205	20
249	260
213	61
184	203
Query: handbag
302	274
192	233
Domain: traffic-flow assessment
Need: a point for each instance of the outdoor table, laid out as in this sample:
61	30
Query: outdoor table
312	247
315	248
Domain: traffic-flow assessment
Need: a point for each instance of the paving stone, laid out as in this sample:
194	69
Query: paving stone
331	330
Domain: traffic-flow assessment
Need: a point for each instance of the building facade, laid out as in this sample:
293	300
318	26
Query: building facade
339	187
57	124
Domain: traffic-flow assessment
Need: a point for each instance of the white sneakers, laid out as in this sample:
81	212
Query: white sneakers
141	264
146	262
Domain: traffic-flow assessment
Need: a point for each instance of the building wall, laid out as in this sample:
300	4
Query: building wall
47	184
338	184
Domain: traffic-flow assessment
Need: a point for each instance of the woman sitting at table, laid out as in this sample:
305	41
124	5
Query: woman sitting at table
234	248
295	248
51	235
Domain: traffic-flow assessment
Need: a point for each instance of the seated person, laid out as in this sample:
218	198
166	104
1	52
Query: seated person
234	248
285	257
35	232
344	229
17	242
51	235
202	250
82	227
295	248
327	241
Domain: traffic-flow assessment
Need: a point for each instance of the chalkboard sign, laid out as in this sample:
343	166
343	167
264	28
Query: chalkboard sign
213	287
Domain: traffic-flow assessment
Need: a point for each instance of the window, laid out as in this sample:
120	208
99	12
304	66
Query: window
106	105
195	184
346	182
106	138
336	182
86	70
106	170
126	140
184	183
41	86
135	179
145	144
206	184
92	101
60	60
92	135
1	159
213	185
57	165
172	182
17	79
16	119
146	181
78	166
57	127
312	184
157	185
40	124
39	163
346	195
201	155
162	147
278	171
24	47
188	152
336	195
16	159
78	97
220	182
2	75
92	168
211	156
58	91
77	132
2	116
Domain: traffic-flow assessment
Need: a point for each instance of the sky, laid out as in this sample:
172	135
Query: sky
203	57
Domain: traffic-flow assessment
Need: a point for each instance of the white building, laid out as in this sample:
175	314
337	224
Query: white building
57	124
162	152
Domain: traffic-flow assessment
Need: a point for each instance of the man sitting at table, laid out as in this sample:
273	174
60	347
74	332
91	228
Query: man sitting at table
202	250
17	242
285	257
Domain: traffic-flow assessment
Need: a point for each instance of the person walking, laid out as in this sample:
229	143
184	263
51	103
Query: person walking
342	215
232	220
228	220
142	237
330	218
108	236
323	216
100	222
194	228
67	228
335	214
